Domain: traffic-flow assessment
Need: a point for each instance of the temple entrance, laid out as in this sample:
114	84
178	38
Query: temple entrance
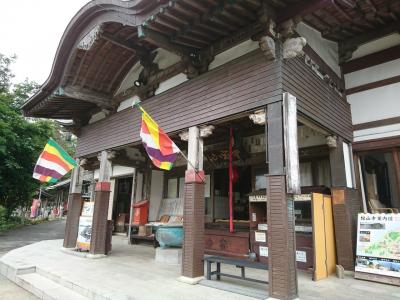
121	205
241	190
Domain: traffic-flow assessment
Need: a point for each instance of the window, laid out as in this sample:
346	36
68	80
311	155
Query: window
172	188
260	180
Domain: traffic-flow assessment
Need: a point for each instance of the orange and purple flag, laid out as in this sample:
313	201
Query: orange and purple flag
160	148
53	163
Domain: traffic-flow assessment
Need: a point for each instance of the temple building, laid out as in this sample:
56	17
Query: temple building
287	111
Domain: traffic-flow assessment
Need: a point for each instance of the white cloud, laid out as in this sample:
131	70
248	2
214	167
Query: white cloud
32	30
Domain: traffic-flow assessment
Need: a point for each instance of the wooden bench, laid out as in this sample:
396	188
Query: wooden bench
239	263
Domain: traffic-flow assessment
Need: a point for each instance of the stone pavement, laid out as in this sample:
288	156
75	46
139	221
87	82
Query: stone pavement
131	272
10	291
19	237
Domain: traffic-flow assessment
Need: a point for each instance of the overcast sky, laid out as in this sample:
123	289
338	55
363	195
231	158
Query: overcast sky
32	29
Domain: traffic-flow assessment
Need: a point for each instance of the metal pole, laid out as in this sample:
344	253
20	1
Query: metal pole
131	207
230	181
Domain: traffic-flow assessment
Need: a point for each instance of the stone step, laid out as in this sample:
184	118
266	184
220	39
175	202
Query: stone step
44	288
85	291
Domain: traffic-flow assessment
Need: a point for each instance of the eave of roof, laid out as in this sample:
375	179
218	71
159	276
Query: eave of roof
94	13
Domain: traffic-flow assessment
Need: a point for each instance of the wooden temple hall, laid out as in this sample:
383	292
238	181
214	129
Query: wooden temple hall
253	92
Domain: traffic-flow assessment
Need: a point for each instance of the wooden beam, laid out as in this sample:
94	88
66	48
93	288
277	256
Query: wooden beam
239	36
158	77
162	41
301	9
124	44
379	123
100	99
396	158
210	15
353	42
373	85
370	60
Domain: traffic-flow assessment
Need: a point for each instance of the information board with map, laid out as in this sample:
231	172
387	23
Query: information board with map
378	244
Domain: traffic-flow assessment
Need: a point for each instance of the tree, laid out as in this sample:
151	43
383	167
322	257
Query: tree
5	72
21	141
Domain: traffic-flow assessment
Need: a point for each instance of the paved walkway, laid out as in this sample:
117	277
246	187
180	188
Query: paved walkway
132	273
23	236
26	235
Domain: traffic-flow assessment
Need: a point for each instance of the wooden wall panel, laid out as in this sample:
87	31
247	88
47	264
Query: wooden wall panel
316	99
244	84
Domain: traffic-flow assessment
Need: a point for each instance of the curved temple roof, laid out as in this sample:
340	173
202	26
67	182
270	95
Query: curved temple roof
106	38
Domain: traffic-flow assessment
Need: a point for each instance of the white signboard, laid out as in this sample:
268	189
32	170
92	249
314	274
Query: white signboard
300	255
263	251
260	237
84	233
87	209
378	244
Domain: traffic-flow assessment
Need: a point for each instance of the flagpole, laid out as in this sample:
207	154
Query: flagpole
190	163
40	193
137	105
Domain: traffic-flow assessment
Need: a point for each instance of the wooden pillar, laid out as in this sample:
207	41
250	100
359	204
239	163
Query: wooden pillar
75	202
131	206
346	203
100	214
193	212
338	170
396	158
280	211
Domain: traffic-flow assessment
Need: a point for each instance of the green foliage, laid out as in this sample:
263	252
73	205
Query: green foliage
21	141
5	72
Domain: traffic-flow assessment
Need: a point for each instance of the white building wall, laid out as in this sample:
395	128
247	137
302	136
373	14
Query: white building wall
372	74
377	45
233	53
375	104
378	103
171	82
326	49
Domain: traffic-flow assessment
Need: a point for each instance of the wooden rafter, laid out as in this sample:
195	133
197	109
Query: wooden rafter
100	99
352	43
202	20
162	41
139	50
161	75
302	8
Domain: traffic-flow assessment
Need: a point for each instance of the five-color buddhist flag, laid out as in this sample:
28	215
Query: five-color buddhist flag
53	163
160	148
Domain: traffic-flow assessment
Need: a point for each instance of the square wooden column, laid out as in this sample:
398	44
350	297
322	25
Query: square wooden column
75	202
193	211
346	203
280	210
98	244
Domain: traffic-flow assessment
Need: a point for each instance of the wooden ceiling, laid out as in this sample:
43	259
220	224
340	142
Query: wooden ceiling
194	28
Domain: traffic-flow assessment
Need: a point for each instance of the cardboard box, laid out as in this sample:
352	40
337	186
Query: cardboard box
145	230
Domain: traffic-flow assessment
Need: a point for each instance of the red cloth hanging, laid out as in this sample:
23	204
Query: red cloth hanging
230	181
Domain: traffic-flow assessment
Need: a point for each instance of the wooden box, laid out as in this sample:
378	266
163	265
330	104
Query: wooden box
144	230
222	242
